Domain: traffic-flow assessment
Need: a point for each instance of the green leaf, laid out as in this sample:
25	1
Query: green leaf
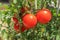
8	21
0	4
14	1
0	15
57	37
58	14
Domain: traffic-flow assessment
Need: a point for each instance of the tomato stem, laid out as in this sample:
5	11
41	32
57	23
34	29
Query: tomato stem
35	4
44	4
58	7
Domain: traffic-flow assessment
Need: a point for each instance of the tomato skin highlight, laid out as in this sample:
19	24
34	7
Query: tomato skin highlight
29	21
44	16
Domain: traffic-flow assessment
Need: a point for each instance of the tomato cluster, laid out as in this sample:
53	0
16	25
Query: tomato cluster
29	20
16	24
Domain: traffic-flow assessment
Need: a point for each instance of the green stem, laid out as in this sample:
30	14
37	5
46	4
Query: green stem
44	4
57	7
35	4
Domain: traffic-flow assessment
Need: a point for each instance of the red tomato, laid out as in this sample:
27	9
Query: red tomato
15	20
44	16
29	21
23	28
23	9
17	27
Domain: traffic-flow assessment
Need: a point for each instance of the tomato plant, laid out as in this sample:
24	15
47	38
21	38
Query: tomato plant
25	26
44	16
29	20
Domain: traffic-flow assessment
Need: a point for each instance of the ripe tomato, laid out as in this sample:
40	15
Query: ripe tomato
15	20
23	29
44	16
23	9
29	21
17	27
